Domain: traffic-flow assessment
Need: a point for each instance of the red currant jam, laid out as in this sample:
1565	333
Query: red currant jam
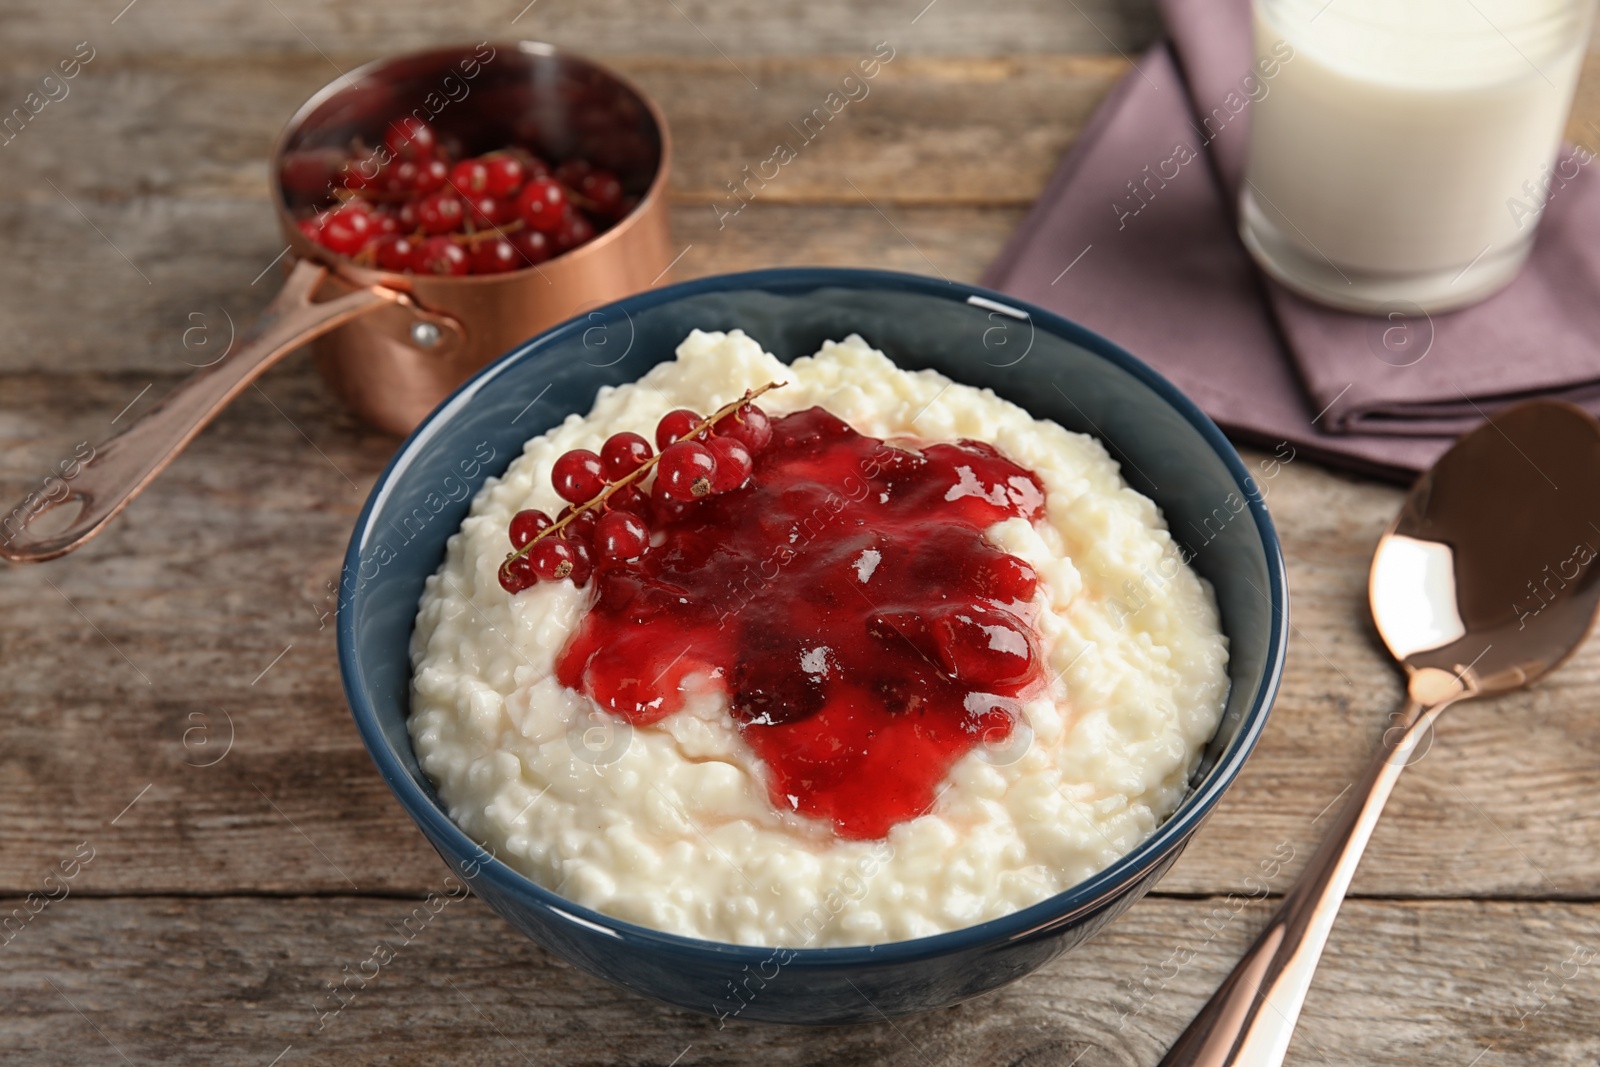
866	633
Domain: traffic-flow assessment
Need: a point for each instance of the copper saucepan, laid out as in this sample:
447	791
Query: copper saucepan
392	346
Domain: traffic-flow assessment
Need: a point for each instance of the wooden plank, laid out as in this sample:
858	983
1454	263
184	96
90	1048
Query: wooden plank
222	566
186	981
923	130
121	300
928	130
349	31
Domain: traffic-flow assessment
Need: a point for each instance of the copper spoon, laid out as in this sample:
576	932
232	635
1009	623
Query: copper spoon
1483	584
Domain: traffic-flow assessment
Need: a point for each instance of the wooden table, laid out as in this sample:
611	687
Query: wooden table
174	734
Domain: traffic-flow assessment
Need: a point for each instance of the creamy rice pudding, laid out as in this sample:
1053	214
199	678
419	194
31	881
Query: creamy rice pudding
932	663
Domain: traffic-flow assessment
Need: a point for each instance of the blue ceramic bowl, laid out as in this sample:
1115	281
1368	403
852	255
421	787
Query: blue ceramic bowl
1055	369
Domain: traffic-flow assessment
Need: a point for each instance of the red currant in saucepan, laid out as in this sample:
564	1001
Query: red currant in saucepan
673	425
494	255
440	212
383	222
571	173
687	469
345	230
410	138
487	212
573	230
505	175
621	535
542	205
470	177
623	454
532	247
429	177
395	251
577	476
602	187
440	255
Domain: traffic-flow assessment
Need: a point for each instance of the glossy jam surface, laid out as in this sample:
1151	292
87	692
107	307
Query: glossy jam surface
865	632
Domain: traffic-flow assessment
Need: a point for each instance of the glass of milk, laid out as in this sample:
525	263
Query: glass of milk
1408	147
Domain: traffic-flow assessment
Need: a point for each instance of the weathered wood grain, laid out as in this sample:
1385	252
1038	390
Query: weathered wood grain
221	566
230	881
734	28
242	980
79	301
923	130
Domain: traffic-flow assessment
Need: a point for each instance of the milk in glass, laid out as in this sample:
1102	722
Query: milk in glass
1407	149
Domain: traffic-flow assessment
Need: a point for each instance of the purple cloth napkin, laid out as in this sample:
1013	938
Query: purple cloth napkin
1135	238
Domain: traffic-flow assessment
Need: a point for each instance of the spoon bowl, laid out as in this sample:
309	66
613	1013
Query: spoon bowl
1486	572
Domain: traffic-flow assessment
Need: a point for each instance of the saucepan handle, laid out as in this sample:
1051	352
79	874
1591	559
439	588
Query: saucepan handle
118	469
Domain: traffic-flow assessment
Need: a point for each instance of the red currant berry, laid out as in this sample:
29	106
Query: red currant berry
1006	578
573	230
440	212
734	463
602	187
440	255
552	558
664	507
581	526
470	177
981	646
517	575
397	178
410	138
532	247
526	525
308	174
687	468
748	424
360	173
407	217
312	228
395	252
494	256
429	177
621	535
488	213
673	425
572	172
582	564
383	222
542	205
345	230
629	498
623	454
505	177
578	476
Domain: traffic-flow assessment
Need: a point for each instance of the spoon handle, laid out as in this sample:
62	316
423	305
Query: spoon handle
1250	1020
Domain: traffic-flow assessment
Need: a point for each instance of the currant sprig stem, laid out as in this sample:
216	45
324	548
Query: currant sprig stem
644	469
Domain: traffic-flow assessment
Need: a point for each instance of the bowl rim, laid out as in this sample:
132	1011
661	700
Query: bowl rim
1035	920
